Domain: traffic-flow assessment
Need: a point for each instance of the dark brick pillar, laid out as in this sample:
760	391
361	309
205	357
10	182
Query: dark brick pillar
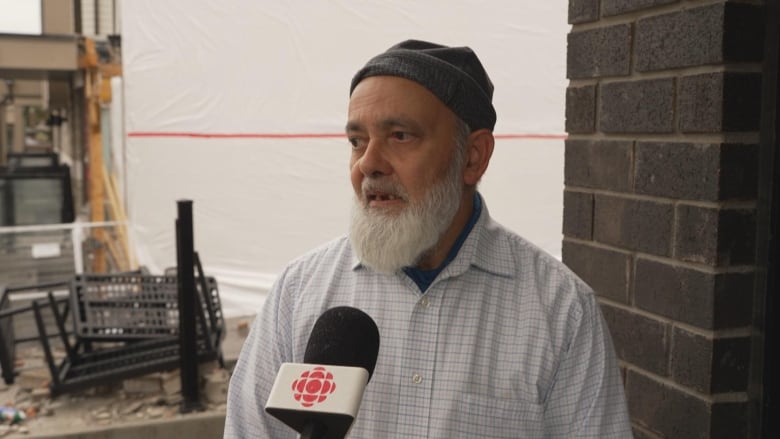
661	174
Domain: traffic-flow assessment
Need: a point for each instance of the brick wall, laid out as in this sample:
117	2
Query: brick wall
661	175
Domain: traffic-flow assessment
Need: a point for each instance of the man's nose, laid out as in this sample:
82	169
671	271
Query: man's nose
373	163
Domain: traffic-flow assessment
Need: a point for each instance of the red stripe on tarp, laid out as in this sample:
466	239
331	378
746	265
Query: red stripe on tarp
237	135
308	135
531	136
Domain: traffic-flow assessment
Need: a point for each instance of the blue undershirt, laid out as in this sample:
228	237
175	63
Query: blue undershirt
424	278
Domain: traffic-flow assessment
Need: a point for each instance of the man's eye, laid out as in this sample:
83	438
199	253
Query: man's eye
400	135
356	142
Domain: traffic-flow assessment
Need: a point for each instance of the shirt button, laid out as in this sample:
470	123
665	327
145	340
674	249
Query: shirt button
424	302
417	378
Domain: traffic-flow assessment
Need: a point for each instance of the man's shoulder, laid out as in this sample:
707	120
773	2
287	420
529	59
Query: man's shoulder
497	235
530	261
318	265
337	251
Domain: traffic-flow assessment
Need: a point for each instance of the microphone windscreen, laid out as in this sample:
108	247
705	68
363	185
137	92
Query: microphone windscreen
344	336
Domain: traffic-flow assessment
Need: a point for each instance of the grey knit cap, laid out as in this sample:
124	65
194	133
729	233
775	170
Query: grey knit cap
453	74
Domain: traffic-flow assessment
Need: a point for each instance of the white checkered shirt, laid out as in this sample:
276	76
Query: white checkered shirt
506	343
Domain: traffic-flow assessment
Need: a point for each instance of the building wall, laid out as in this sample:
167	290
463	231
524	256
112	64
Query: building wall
99	17
57	17
661	183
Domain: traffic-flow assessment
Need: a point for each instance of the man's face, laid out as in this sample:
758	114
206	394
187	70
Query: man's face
406	171
399	132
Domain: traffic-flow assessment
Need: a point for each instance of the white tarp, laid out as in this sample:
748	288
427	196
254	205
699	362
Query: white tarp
240	106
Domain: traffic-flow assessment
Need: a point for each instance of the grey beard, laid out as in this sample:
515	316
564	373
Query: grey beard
389	242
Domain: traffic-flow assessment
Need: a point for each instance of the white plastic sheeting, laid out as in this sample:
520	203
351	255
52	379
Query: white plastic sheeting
240	106
20	17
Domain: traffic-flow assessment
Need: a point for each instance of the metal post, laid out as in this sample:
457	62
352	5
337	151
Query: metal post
188	354
769	229
19	127
4	148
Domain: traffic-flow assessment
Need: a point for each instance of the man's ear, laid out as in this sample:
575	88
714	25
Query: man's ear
478	153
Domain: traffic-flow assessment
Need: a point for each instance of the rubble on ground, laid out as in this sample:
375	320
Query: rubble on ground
150	397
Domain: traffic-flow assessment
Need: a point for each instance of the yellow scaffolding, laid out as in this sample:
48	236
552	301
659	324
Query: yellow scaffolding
113	250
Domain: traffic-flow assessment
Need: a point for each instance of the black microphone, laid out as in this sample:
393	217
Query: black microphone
320	397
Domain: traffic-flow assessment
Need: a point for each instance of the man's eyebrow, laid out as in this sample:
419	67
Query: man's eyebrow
353	126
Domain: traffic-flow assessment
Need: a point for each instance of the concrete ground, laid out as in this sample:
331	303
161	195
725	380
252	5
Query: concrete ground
146	408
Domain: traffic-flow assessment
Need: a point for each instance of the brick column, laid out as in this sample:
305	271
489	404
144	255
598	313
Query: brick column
661	175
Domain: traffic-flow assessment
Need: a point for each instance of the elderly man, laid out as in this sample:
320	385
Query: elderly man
483	334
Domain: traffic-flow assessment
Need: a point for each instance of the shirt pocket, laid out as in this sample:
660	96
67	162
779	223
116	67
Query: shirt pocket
485	417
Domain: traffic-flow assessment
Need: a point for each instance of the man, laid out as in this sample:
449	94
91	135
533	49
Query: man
482	333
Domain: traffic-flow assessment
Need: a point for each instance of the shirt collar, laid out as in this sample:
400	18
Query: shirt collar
485	248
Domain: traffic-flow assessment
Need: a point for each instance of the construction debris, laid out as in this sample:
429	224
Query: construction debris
156	396
216	386
27	407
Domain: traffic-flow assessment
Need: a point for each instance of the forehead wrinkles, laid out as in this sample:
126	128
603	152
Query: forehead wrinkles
385	98
382	114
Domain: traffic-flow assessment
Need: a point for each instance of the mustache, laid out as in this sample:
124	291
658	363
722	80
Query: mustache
385	186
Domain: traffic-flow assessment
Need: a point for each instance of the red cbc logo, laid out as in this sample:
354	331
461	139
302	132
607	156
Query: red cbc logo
313	386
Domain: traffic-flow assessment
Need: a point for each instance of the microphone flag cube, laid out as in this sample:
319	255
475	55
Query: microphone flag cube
304	393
